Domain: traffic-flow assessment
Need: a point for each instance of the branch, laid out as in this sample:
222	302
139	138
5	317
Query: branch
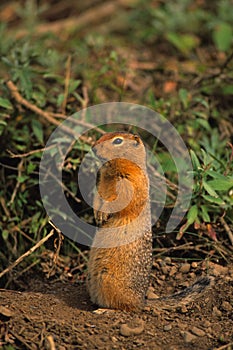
89	17
29	252
50	117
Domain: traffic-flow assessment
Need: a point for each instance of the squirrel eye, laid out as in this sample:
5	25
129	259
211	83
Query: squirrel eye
117	141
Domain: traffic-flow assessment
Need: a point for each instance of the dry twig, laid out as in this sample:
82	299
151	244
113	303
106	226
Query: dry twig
22	155
29	252
46	115
227	228
51	342
89	17
20	168
67	83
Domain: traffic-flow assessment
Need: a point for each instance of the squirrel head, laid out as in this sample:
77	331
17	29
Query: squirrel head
120	145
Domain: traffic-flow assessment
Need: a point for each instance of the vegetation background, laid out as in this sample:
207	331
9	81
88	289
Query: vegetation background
58	57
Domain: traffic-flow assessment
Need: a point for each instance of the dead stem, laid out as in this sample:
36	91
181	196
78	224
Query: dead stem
46	115
26	254
67	83
20	168
227	228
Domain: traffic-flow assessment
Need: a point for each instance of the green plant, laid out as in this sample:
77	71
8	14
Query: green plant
212	190
179	23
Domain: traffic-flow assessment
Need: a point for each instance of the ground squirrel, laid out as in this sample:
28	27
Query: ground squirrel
120	259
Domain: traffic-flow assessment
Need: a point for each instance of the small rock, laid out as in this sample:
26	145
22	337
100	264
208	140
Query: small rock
216	312
161	262
156	266
151	295
168	327
183	309
194	264
185	284
114	339
5	311
185	268
173	271
226	306
168	260
218	270
165	270
197	331
188	337
179	276
134	327
192	275
206	323
100	311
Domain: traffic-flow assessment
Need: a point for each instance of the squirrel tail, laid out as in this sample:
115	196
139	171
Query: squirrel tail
184	297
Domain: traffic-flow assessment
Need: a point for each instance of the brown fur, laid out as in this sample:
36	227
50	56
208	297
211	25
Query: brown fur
121	256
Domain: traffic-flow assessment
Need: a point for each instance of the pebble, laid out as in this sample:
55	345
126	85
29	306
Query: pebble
168	260
134	327
173	271
168	327
151	295
114	339
5	311
185	268
165	270
179	276
216	312
197	331
192	275
183	309
188	337
206	323
194	264
226	306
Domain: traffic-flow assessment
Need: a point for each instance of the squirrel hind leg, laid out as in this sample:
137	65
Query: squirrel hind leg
184	297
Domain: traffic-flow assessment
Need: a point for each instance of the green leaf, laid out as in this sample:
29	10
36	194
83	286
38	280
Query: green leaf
5	103
195	160
5	235
221	184
192	214
209	189
222	36
184	97
215	175
183	42
30	168
227	90
22	178
38	130
205	214
74	85
213	200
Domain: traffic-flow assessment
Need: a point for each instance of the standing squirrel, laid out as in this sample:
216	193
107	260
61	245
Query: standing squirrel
121	254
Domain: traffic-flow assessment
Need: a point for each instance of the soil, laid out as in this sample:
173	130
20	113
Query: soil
59	315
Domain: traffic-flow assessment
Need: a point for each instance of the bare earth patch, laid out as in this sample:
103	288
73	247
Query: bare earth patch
58	315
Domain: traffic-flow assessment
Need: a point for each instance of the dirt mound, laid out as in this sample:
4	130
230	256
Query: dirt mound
56	315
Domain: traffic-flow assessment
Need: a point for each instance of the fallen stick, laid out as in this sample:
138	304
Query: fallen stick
27	253
89	17
228	230
50	117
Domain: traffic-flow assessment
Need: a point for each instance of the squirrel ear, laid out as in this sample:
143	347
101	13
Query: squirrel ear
137	139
